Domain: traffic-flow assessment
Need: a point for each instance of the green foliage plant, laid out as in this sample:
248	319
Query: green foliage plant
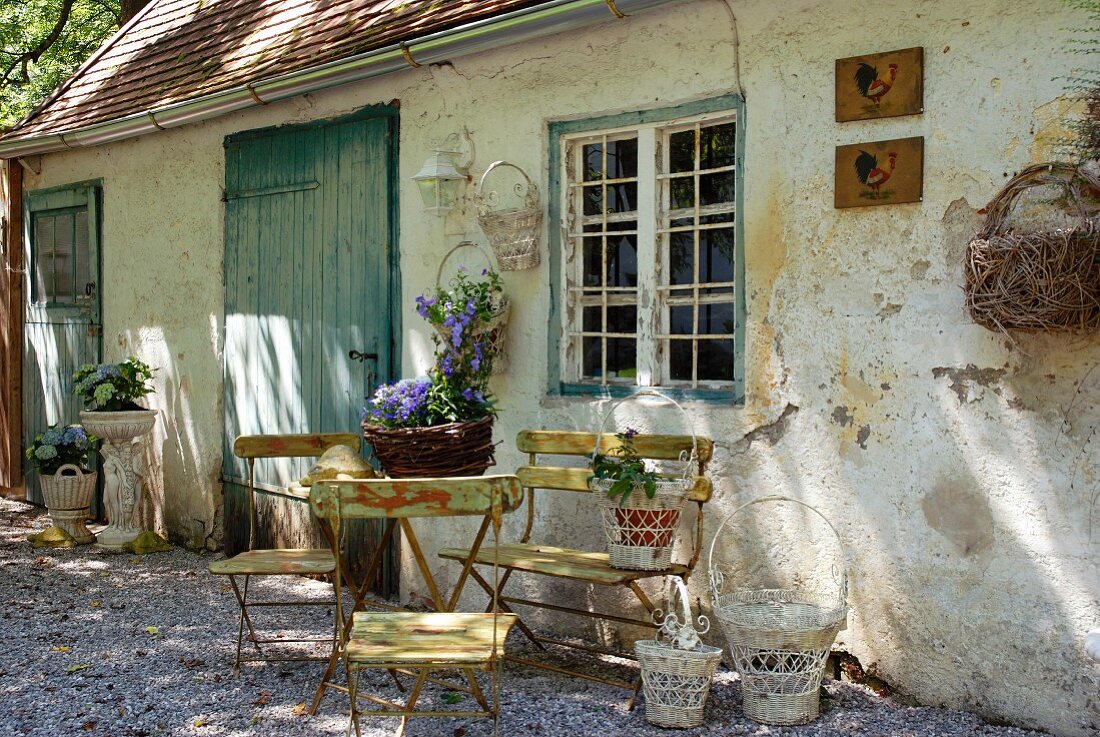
112	387
42	43
57	447
1084	83
624	468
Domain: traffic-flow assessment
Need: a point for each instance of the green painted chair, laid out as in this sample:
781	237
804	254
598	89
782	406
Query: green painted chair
417	643
276	561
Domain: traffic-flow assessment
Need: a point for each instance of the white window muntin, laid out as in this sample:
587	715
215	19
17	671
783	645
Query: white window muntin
653	222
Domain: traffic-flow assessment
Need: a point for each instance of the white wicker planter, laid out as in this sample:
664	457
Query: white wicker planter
779	639
641	530
676	667
68	495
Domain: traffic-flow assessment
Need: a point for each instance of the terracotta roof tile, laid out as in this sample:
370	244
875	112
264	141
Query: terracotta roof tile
181	49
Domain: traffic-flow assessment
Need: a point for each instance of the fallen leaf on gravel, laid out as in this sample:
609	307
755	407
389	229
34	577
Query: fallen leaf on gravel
263	698
75	668
95	604
450	697
89	725
255	719
104	574
60	649
192	662
460	732
201	723
226	587
300	710
152	630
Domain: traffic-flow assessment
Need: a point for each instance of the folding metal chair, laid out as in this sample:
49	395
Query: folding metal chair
276	561
413	642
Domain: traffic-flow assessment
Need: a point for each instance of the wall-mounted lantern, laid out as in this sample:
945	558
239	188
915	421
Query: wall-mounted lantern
445	174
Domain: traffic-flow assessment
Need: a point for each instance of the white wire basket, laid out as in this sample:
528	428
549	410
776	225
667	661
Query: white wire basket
493	332
641	530
677	667
513	233
779	638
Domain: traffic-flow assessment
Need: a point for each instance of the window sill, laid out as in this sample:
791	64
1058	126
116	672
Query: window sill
709	396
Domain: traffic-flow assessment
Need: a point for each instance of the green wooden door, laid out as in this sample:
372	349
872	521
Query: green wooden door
62	309
310	295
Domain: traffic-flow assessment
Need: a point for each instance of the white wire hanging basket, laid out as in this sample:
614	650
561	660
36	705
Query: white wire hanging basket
513	233
492	332
677	667
641	529
779	638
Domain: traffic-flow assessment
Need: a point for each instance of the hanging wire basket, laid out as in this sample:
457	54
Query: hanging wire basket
779	638
641	530
513	233
492	332
677	666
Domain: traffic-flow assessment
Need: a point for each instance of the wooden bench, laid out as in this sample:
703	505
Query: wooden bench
587	567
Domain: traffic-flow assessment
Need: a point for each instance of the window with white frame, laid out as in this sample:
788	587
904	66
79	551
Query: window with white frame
650	272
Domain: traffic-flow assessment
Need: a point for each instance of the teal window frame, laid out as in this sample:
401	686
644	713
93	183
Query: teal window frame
558	131
68	198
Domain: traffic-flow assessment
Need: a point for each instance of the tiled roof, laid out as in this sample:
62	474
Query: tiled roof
182	49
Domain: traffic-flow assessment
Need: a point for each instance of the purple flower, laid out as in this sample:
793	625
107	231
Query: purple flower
448	365
630	433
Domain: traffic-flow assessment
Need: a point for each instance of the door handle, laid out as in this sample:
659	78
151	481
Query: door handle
359	356
372	373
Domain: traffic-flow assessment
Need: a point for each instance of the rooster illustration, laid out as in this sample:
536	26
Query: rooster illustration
868	171
871	85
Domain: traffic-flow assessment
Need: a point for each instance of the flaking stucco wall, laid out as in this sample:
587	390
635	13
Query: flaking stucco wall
961	469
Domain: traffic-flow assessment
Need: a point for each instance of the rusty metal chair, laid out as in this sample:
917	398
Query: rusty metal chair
417	643
276	561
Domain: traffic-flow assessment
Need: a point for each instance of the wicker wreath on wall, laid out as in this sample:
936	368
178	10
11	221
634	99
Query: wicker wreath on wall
1038	279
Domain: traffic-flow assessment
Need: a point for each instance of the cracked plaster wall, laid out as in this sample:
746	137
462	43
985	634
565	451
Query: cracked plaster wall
960	469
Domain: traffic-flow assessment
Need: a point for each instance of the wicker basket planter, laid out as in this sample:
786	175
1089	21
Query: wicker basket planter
491	333
641	530
454	449
1043	279
68	495
779	639
513	233
676	666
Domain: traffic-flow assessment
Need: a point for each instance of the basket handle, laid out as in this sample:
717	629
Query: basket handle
1067	176
528	193
688	462
77	470
459	247
775	498
680	629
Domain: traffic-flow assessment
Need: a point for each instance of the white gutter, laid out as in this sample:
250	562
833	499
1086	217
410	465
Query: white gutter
518	26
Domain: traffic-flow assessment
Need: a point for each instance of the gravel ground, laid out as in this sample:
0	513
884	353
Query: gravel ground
125	646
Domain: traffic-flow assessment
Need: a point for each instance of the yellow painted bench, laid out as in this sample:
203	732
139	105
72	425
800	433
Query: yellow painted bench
586	566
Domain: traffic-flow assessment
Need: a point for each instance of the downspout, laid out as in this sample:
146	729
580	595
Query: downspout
519	26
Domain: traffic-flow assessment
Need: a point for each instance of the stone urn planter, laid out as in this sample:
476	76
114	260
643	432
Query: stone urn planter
68	495
123	468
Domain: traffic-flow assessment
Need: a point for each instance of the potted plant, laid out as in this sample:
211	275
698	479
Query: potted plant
109	392
442	424
639	503
65	461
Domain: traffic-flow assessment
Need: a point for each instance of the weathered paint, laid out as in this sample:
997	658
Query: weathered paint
842	308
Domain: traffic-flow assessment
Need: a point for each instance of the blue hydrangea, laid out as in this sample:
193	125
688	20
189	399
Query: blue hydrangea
46	452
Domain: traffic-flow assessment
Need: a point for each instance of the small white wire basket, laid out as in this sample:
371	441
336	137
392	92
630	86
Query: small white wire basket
493	332
641	530
779	638
513	233
677	666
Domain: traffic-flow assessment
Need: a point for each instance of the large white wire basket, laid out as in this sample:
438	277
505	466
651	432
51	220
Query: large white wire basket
641	530
779	638
513	233
677	666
